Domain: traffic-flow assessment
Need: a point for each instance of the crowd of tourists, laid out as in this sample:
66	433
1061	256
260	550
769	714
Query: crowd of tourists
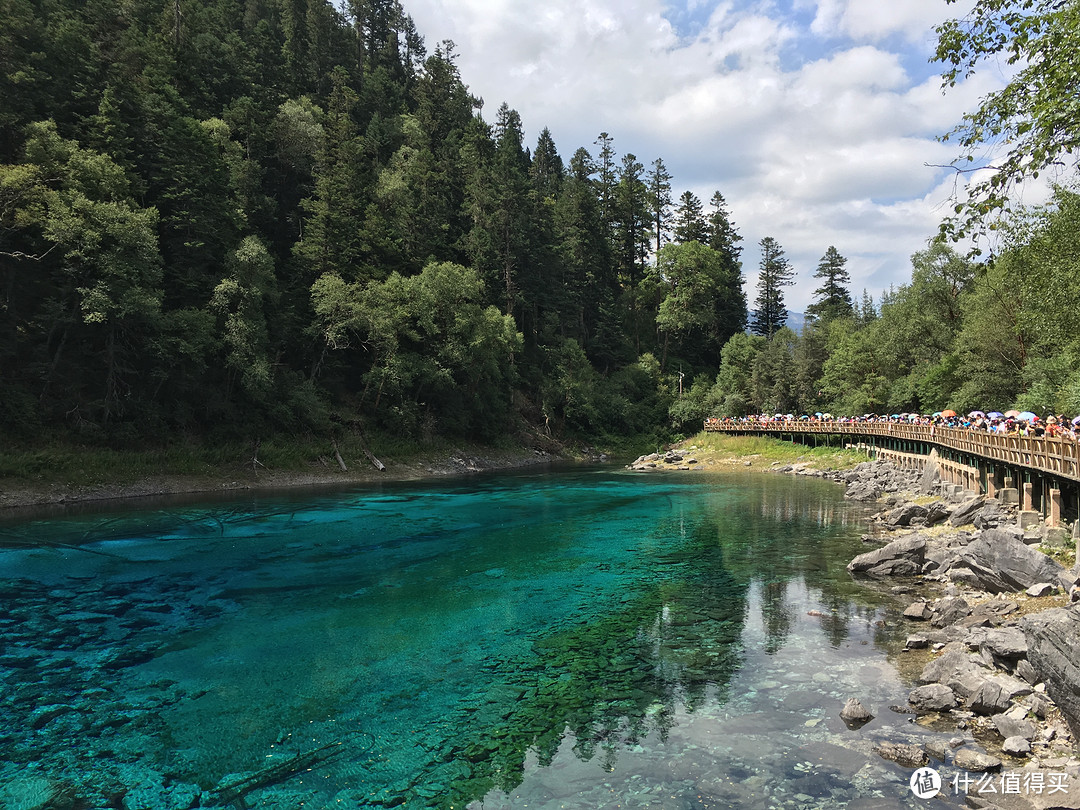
1017	423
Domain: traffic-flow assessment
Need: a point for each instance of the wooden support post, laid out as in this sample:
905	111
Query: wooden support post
1028	502
1055	507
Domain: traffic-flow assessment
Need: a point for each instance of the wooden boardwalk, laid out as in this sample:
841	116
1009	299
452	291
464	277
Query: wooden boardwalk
1056	457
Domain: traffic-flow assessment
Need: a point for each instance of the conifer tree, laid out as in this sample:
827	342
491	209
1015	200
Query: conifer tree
774	273
547	170
832	299
690	225
659	182
731	315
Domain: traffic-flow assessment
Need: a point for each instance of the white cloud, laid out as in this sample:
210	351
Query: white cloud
816	136
875	20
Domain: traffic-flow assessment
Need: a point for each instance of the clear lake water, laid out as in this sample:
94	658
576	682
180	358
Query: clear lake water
583	638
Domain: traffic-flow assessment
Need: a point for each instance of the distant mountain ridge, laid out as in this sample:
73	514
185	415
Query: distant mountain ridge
796	322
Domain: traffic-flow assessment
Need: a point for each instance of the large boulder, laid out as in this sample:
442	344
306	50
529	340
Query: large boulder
863	490
1054	653
937	512
902	557
1003	563
933	697
966	511
996	693
956	668
971	759
931	475
1000	646
904	514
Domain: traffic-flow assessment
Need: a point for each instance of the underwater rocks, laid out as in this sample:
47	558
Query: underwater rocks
65	674
906	755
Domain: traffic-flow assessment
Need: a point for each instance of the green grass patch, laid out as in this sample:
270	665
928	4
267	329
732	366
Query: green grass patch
770	450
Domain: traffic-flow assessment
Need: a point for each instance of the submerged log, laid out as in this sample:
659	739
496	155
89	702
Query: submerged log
235	793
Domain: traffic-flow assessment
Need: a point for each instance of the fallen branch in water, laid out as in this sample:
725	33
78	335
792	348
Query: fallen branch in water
235	793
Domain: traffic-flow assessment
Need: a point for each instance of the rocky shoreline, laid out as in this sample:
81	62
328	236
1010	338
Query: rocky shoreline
994	620
1004	669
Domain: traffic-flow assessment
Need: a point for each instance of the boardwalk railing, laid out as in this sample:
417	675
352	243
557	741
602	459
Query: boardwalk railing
1054	456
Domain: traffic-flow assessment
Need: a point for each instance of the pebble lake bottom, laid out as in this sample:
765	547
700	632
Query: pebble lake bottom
590	638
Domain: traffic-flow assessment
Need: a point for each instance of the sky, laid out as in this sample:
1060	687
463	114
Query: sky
818	120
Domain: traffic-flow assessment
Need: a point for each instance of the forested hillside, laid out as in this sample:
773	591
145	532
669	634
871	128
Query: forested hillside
228	218
235	217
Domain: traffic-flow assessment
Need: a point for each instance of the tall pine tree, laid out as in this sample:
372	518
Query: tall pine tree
832	299
774	274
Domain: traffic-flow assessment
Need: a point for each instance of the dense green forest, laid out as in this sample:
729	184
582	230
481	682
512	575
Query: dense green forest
230	218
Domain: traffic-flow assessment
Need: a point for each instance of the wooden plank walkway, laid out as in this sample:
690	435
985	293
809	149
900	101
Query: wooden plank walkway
1053	456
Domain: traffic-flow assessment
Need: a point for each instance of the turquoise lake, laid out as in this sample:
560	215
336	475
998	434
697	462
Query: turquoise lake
584	638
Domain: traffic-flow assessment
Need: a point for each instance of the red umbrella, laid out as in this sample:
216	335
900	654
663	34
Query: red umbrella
949	413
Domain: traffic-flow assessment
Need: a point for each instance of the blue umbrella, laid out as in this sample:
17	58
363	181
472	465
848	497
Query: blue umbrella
996	415
1026	416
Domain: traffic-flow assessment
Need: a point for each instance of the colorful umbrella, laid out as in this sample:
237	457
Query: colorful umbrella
1026	416
974	414
949	413
996	415
1012	414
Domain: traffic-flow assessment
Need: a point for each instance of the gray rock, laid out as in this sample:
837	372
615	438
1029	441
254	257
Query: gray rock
1025	670
863	491
1041	589
908	756
1004	645
1011	727
902	557
1002	563
966	683
931	475
970	759
966	511
917	643
1016	746
953	660
854	714
987	518
963	575
904	514
934	697
1055	655
995	694
918	611
950	610
937	512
